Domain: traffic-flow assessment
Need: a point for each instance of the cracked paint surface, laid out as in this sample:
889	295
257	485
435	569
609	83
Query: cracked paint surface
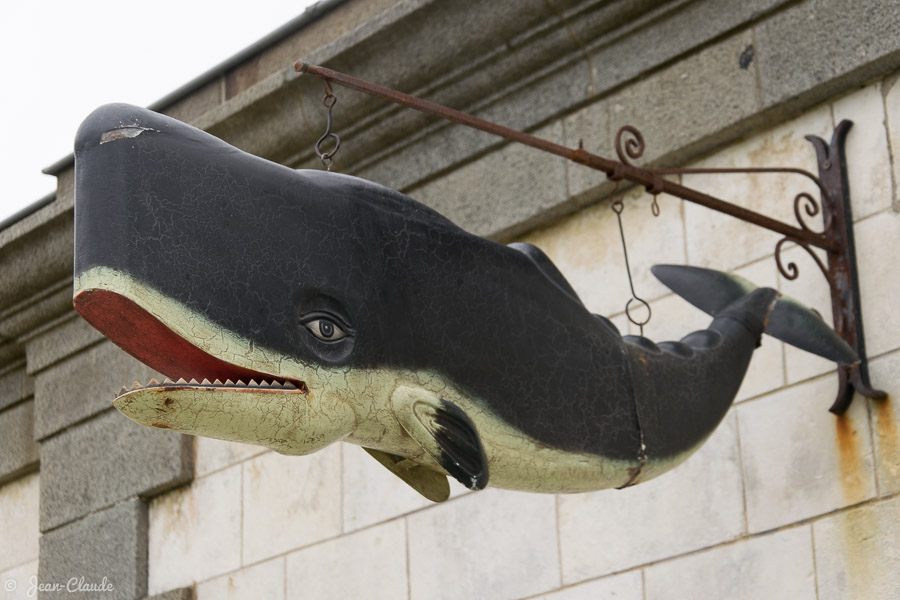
401	332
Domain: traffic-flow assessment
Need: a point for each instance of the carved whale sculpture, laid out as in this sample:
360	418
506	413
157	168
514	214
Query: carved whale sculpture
293	309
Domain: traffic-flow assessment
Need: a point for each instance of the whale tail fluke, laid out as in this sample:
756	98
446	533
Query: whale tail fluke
714	292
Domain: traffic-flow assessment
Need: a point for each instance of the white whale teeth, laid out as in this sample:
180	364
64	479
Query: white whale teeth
167	381
152	383
193	382
228	383
289	385
136	385
277	384
240	383
181	381
253	383
205	382
217	383
124	390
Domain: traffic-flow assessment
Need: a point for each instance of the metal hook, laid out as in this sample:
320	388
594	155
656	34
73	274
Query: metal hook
329	101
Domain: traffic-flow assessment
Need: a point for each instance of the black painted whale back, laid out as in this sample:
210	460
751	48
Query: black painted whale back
245	242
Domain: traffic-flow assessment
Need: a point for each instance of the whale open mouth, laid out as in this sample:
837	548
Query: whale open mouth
145	337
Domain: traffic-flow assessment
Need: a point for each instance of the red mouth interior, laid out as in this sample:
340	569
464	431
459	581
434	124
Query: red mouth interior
146	338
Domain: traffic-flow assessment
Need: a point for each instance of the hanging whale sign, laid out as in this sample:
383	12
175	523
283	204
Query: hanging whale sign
294	309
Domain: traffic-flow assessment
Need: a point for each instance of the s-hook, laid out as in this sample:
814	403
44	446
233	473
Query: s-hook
327	157
617	206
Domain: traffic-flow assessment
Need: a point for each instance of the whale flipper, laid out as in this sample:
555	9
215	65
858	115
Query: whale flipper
445	432
431	484
789	321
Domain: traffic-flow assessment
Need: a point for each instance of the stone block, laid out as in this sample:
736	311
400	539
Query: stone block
290	502
493	187
34	312
671	34
810	288
884	373
891	91
262	581
678	107
36	259
796	47
490	544
105	460
857	552
587	248
799	459
879	284
66	337
211	454
83	386
672	318
766	371
627	586
15	385
368	564
19	452
186	593
698	504
373	494
19	521
779	566
719	241
16	583
195	532
107	548
866	146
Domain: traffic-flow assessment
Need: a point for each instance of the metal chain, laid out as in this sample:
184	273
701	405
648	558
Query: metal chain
329	101
617	207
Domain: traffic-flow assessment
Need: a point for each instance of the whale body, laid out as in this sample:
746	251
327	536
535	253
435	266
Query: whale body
293	309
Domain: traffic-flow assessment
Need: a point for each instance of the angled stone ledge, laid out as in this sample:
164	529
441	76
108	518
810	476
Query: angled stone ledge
109	547
19	453
82	386
105	460
186	593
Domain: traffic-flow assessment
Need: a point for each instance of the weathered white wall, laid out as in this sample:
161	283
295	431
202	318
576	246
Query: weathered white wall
784	501
20	535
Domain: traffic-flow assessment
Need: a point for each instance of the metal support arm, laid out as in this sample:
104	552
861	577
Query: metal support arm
836	237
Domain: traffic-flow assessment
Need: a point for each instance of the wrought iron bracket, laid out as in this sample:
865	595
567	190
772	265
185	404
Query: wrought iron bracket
836	237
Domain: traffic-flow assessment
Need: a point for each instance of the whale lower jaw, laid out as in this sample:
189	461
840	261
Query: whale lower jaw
171	338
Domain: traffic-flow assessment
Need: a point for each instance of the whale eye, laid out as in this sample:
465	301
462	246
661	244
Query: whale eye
325	329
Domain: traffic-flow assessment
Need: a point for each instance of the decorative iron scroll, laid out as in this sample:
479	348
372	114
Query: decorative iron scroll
836	237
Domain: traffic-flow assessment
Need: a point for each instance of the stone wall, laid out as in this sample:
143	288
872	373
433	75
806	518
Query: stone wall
784	501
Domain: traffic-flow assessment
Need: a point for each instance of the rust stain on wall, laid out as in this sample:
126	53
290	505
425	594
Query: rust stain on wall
851	460
888	442
852	527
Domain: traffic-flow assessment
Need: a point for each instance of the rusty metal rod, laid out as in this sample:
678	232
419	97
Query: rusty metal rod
649	178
